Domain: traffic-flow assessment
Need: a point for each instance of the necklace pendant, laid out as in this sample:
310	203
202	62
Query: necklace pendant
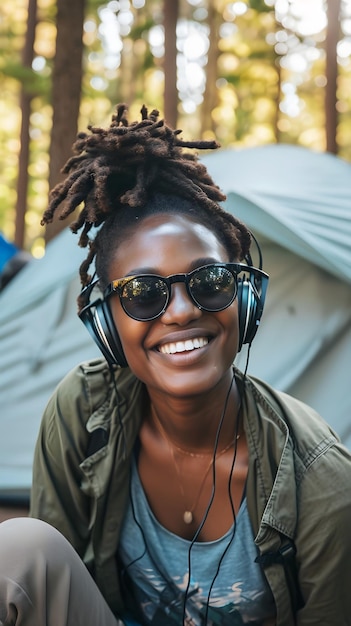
187	517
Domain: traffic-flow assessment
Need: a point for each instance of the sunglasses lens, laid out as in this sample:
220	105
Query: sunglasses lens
213	288
144	297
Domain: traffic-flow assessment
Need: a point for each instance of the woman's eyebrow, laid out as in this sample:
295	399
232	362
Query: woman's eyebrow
141	270
193	265
203	261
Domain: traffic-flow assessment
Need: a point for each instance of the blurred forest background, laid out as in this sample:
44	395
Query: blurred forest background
248	72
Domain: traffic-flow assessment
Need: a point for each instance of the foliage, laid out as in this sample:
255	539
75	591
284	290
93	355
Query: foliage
270	83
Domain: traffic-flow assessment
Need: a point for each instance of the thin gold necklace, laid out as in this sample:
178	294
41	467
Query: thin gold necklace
188	515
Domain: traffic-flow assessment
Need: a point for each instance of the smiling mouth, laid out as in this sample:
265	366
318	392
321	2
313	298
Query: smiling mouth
184	346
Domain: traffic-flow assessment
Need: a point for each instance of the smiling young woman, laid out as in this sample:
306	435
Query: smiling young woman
193	493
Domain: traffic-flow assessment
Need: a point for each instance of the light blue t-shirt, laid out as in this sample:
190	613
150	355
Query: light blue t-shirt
156	563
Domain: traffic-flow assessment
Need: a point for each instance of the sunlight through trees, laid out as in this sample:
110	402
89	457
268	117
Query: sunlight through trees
248	72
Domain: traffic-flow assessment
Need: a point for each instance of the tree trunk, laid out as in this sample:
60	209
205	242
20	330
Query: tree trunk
66	91
331	116
170	18
211	92
25	105
277	100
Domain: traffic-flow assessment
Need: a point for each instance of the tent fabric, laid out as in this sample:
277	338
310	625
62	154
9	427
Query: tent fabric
303	346
298	205
41	339
298	198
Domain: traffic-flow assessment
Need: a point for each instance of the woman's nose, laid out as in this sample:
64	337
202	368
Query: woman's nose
181	309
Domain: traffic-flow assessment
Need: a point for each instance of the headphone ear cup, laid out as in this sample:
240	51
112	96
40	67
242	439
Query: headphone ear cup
99	322
249	312
112	337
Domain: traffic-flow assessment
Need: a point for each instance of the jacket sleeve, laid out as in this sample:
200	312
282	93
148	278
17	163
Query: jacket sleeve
323	540
61	447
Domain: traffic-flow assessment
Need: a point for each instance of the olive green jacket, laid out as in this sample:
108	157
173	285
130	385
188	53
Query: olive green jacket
298	486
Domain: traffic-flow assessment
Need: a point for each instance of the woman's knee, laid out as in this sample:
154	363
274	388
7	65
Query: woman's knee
25	530
44	580
32	538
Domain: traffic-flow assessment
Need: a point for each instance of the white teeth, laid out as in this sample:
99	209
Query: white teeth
184	346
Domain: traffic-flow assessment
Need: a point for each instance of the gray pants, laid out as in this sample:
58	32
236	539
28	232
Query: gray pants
43	582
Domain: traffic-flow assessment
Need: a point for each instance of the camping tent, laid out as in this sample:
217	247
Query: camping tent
297	203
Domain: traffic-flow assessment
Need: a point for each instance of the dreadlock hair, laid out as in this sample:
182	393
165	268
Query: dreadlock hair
126	172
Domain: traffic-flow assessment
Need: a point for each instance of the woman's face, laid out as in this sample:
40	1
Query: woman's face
173	244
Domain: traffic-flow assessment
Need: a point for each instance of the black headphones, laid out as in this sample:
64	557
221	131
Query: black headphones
97	316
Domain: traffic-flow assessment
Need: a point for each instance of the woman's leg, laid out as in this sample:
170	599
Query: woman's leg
43	582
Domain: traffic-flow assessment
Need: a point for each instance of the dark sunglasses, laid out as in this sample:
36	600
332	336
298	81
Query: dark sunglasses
145	297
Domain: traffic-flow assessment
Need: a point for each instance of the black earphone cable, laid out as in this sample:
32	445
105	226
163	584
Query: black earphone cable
234	520
210	502
146	550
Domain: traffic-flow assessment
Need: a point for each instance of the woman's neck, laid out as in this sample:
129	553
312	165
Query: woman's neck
193	423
